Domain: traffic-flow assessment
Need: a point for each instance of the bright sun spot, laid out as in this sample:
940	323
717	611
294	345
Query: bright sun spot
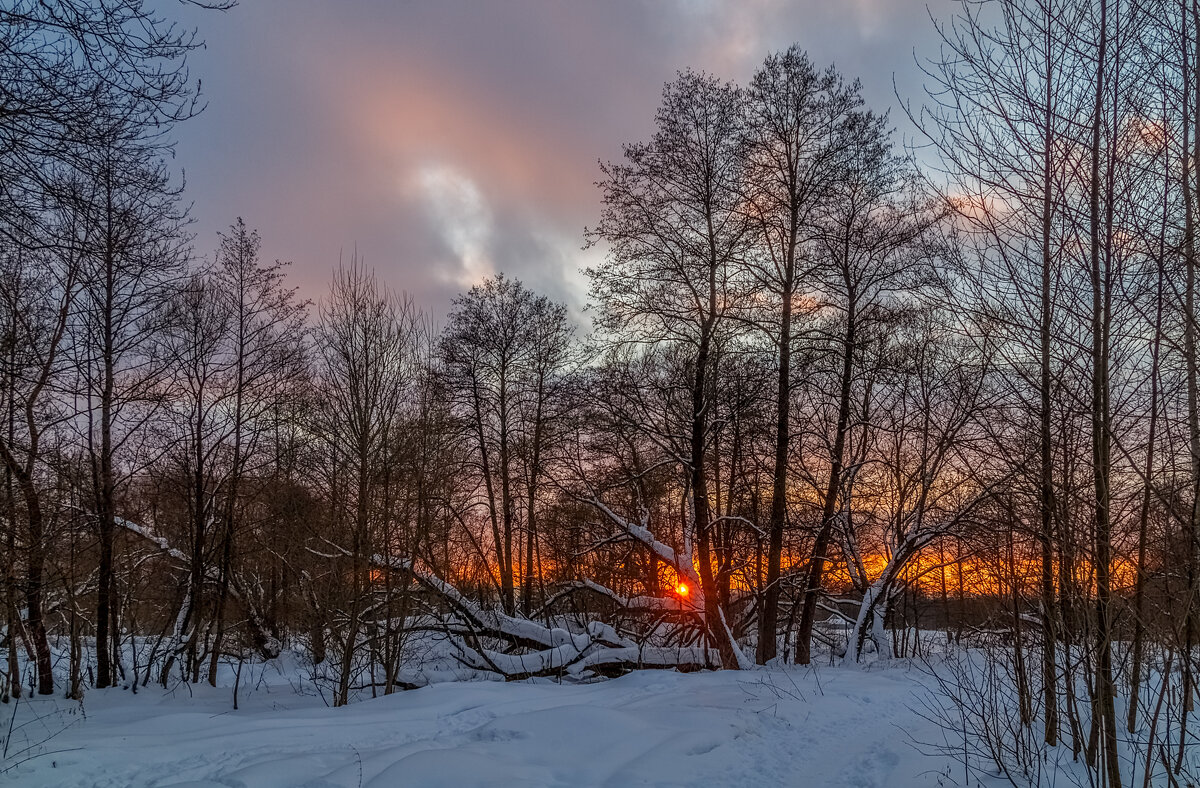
681	589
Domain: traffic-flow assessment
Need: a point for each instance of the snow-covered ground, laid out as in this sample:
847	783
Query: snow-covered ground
796	727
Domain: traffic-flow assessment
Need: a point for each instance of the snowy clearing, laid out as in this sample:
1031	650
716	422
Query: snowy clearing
831	727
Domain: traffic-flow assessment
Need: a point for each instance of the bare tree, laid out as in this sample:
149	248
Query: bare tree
265	340
797	119
365	338
675	228
37	292
196	329
135	255
870	224
1004	131
503	349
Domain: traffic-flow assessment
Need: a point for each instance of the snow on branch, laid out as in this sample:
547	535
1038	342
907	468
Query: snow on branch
549	650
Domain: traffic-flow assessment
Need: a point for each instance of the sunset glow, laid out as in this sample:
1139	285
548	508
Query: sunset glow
697	392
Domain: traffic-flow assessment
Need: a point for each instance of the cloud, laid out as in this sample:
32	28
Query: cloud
459	214
454	139
733	31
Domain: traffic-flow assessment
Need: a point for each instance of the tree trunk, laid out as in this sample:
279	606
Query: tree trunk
102	470
768	623
235	477
358	571
488	483
1139	592
816	570
507	587
1046	501
10	563
1105	712
1192	531
34	584
714	616
535	470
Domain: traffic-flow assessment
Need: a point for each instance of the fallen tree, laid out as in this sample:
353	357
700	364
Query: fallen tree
515	647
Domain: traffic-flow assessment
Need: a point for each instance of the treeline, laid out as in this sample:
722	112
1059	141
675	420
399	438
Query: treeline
828	398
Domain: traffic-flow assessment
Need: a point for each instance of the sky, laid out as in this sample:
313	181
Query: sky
448	140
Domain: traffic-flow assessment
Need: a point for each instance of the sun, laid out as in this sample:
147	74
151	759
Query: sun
681	589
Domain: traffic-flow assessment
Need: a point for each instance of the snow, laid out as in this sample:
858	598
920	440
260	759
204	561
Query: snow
809	727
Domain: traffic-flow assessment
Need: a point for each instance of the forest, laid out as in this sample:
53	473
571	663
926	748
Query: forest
837	396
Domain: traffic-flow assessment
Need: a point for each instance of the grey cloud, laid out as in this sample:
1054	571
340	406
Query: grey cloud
449	139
